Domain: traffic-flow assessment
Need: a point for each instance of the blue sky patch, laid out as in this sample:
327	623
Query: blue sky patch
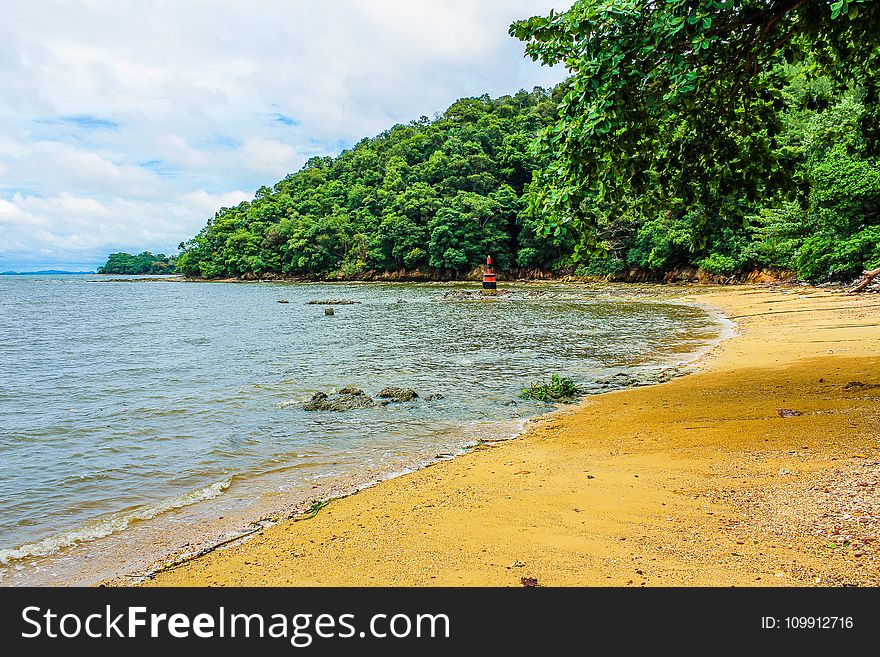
87	121
161	168
218	142
283	119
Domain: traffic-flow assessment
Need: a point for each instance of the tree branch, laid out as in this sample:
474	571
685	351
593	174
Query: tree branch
866	279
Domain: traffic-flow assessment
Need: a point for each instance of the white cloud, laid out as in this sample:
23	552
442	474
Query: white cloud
207	204
126	125
68	228
270	157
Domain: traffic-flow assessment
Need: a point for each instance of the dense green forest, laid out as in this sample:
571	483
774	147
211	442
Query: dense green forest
431	195
731	134
769	162
827	228
142	263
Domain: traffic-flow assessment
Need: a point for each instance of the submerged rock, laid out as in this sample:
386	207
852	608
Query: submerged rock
316	402
329	312
623	380
347	399
468	295
398	394
617	381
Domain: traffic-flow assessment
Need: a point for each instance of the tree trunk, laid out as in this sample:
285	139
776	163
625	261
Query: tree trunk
865	280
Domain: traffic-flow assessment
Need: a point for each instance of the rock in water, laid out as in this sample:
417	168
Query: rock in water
347	399
315	403
329	312
466	295
398	394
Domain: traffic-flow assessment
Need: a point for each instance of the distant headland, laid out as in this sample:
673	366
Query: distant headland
43	272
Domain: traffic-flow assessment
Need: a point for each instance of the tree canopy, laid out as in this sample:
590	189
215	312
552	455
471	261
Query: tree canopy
435	196
142	263
676	103
731	136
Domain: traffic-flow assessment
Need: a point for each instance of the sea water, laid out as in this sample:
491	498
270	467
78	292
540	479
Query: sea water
134	412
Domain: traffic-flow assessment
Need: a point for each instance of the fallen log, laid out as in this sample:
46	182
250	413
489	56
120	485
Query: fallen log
866	279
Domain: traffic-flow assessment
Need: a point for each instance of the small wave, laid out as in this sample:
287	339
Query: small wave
110	524
493	431
196	341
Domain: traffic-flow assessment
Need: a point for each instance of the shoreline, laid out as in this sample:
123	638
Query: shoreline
274	506
534	506
251	502
679	276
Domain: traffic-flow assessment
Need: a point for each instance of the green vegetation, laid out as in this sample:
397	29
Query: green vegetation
313	510
436	196
142	263
368	210
556	389
728	135
828	228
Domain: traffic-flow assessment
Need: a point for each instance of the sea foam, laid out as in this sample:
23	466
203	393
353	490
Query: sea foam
110	524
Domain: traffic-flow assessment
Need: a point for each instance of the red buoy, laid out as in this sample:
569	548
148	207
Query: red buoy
489	283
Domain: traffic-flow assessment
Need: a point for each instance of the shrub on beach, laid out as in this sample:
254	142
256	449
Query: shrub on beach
556	389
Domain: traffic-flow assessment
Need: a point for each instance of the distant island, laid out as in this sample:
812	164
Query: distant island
142	263
44	272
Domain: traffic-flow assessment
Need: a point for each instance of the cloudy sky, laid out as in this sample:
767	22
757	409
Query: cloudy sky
125	124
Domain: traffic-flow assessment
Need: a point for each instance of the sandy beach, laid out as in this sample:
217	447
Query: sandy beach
760	469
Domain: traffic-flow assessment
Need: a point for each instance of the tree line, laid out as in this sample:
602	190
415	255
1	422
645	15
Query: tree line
730	136
433	195
142	263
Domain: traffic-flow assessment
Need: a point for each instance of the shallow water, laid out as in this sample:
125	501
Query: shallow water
121	402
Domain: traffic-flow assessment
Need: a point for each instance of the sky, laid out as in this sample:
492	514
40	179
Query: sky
125	124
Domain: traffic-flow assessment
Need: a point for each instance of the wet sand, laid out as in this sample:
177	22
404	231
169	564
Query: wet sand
761	469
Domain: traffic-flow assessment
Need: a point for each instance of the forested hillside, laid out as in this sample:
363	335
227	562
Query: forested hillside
441	195
431	195
737	154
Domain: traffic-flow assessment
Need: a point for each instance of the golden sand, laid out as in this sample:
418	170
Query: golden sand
709	479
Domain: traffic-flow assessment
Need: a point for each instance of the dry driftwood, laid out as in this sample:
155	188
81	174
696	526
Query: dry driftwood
866	279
